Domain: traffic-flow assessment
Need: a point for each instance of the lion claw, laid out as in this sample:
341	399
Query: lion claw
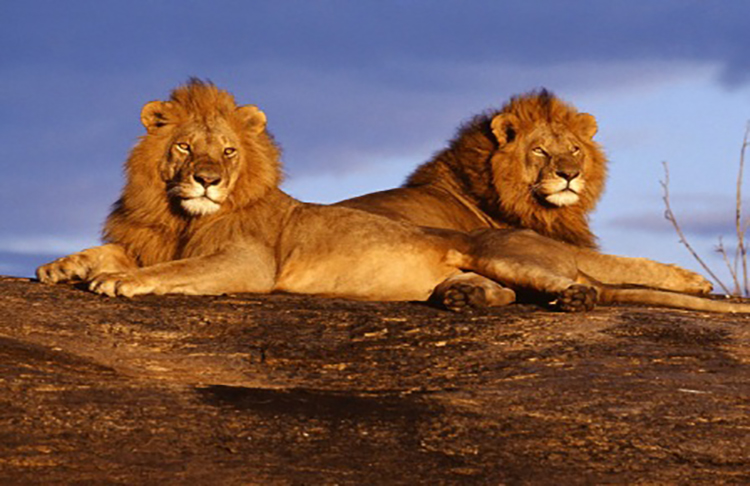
577	298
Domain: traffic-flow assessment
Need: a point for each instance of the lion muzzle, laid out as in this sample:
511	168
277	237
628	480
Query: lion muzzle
207	176
563	183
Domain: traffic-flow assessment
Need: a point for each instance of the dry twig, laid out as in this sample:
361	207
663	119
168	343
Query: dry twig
741	250
732	267
672	219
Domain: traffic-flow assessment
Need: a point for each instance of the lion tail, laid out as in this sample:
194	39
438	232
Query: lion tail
665	298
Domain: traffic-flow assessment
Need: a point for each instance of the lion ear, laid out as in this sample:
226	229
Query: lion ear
504	127
587	124
253	117
155	115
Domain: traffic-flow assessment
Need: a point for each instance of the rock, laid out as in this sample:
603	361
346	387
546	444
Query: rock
241	389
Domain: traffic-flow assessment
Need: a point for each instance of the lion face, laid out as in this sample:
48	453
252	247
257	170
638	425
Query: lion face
555	166
204	155
555	161
201	168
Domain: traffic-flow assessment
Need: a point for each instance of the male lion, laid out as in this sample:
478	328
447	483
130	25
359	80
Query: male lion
533	165
201	213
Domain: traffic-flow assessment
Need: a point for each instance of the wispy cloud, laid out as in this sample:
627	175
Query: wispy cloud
369	34
46	244
701	215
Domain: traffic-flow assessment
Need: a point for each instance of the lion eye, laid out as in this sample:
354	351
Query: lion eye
539	151
575	150
183	147
230	152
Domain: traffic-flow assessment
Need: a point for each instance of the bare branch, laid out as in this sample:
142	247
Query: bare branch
731	266
741	250
669	215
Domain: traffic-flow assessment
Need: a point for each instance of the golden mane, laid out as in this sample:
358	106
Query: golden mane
488	174
145	219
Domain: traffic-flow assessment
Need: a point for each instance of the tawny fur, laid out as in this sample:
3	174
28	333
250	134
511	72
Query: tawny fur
478	170
144	220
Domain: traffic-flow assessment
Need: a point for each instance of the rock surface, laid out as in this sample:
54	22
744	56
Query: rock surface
248	389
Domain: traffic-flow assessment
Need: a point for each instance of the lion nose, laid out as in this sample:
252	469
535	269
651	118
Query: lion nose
568	174
207	177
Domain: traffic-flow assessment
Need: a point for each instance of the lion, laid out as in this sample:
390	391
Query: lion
529	262
533	164
202	213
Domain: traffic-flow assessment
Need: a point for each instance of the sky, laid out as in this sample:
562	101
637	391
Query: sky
359	93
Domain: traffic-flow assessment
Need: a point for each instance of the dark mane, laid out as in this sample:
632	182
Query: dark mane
487	176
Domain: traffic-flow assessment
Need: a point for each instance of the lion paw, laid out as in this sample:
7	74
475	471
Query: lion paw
121	284
460	296
577	298
73	267
692	282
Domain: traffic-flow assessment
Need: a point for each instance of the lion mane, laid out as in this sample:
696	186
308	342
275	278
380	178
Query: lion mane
146	222
486	161
532	164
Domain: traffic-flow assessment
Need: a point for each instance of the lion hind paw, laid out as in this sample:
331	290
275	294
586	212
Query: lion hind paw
692	282
462	296
577	298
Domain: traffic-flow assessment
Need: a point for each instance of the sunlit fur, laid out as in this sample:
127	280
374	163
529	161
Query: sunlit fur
197	200
200	206
496	175
149	220
563	197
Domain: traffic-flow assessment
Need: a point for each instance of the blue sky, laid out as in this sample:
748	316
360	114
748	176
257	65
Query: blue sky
360	92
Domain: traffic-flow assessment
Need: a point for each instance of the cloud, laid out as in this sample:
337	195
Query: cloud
706	224
371	33
698	216
338	121
370	36
45	244
22	265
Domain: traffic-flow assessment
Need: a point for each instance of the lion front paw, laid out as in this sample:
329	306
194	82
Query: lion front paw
577	298
75	267
121	284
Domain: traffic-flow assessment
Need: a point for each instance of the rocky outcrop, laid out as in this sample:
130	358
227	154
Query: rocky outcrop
253	389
